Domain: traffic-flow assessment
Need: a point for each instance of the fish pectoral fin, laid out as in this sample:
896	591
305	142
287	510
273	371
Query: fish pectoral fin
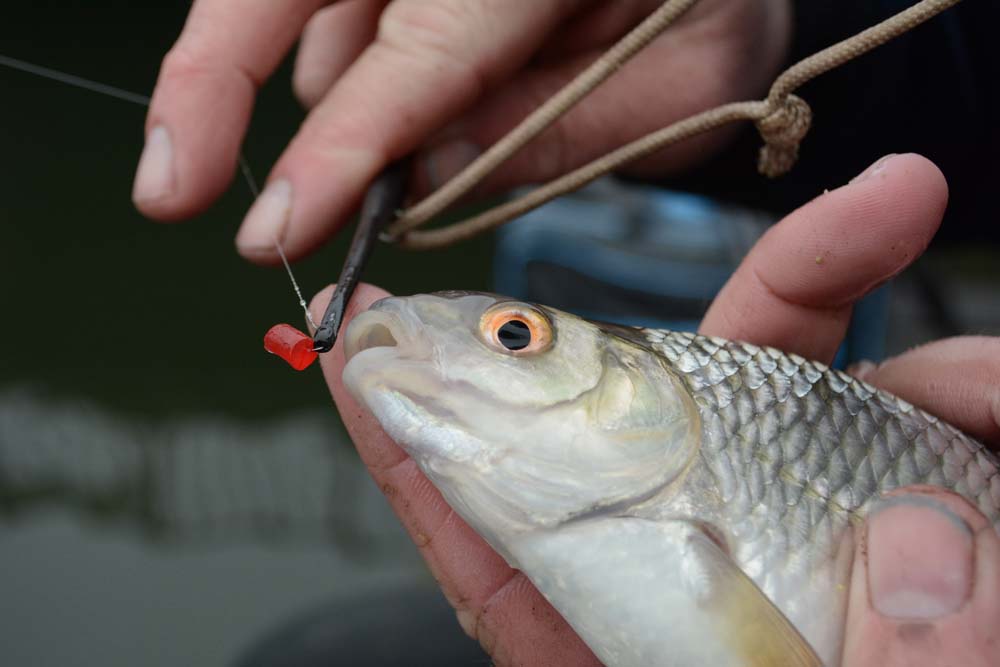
754	627
643	592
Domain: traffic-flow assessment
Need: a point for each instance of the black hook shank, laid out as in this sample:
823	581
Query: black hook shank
383	199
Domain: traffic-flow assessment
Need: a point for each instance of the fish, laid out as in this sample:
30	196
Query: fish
679	499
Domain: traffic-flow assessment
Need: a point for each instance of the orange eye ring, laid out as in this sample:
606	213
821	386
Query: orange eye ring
516	329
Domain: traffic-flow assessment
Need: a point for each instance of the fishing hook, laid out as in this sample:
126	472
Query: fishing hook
381	206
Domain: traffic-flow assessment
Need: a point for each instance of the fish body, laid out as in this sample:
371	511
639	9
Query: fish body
681	500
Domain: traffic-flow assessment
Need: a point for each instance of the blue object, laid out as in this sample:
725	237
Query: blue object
648	257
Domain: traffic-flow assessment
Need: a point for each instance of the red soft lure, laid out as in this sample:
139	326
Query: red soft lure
291	345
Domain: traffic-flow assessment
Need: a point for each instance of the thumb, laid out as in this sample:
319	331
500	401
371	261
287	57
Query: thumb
925	589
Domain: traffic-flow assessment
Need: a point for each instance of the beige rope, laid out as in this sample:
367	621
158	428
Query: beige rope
542	117
782	119
494	217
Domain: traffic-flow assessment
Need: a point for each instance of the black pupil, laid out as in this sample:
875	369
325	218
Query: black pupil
514	335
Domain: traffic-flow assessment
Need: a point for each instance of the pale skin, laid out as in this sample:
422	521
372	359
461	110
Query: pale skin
383	79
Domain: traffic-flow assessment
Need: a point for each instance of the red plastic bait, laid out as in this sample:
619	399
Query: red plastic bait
291	345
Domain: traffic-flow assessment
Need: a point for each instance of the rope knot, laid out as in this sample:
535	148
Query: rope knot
782	130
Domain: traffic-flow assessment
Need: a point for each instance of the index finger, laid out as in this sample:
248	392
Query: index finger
795	289
430	60
203	97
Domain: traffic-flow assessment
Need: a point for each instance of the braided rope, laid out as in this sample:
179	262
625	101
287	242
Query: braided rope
782	119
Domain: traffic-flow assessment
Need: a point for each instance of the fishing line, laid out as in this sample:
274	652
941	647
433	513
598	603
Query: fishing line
73	80
255	191
143	100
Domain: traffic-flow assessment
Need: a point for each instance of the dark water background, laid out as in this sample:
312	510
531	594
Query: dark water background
171	316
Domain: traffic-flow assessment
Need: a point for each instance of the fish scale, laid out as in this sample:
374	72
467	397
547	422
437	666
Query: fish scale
797	452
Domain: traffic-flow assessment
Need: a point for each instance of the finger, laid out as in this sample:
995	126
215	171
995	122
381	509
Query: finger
957	378
795	289
643	96
581	135
203	98
925	589
430	60
495	604
332	40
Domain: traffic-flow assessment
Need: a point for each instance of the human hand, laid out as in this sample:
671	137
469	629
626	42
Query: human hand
865	233
445	78
925	585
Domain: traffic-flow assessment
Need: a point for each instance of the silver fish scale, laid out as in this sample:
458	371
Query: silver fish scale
795	452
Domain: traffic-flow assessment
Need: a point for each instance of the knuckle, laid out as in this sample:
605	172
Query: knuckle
180	63
437	26
439	34
185	63
332	139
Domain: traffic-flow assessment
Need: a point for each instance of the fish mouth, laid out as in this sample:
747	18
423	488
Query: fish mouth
389	369
375	329
371	329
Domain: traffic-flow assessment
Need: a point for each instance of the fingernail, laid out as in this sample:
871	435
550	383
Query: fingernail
448	159
154	178
862	369
267	219
877	168
919	558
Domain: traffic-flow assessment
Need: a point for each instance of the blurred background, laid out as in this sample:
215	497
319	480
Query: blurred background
169	493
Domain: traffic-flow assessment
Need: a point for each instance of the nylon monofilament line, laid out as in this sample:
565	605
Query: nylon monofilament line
143	100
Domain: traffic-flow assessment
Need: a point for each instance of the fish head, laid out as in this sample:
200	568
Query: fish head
523	416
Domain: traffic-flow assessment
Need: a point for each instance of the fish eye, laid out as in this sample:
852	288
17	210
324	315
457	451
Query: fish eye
516	329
